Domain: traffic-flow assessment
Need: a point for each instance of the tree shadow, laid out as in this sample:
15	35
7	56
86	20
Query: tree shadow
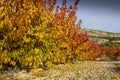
117	67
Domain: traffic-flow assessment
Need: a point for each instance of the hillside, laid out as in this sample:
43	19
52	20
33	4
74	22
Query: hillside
101	36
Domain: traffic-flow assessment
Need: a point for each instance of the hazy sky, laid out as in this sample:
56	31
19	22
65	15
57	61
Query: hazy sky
99	14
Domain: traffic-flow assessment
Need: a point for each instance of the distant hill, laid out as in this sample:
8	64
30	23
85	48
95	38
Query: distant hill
100	33
102	37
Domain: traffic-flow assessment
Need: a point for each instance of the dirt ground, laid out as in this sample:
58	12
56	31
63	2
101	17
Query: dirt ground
80	70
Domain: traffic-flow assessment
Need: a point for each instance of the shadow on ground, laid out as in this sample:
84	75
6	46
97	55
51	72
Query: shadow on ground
117	67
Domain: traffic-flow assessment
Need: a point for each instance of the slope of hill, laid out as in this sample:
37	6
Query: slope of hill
101	36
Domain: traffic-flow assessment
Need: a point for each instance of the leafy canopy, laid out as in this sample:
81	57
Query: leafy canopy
36	33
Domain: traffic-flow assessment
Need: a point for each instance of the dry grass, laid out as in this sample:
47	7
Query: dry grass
80	70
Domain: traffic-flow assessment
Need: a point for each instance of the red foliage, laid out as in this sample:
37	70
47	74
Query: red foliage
112	52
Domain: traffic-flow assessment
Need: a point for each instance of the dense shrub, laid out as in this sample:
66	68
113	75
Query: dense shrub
36	33
112	52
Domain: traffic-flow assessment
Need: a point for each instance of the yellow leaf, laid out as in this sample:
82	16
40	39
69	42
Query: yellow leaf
0	66
1	9
13	63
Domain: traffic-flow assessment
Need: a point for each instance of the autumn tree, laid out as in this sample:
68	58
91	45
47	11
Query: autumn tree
36	33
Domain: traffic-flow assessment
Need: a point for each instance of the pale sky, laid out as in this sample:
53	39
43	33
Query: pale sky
99	14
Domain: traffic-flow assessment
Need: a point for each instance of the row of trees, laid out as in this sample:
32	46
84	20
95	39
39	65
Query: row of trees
36	33
112	52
